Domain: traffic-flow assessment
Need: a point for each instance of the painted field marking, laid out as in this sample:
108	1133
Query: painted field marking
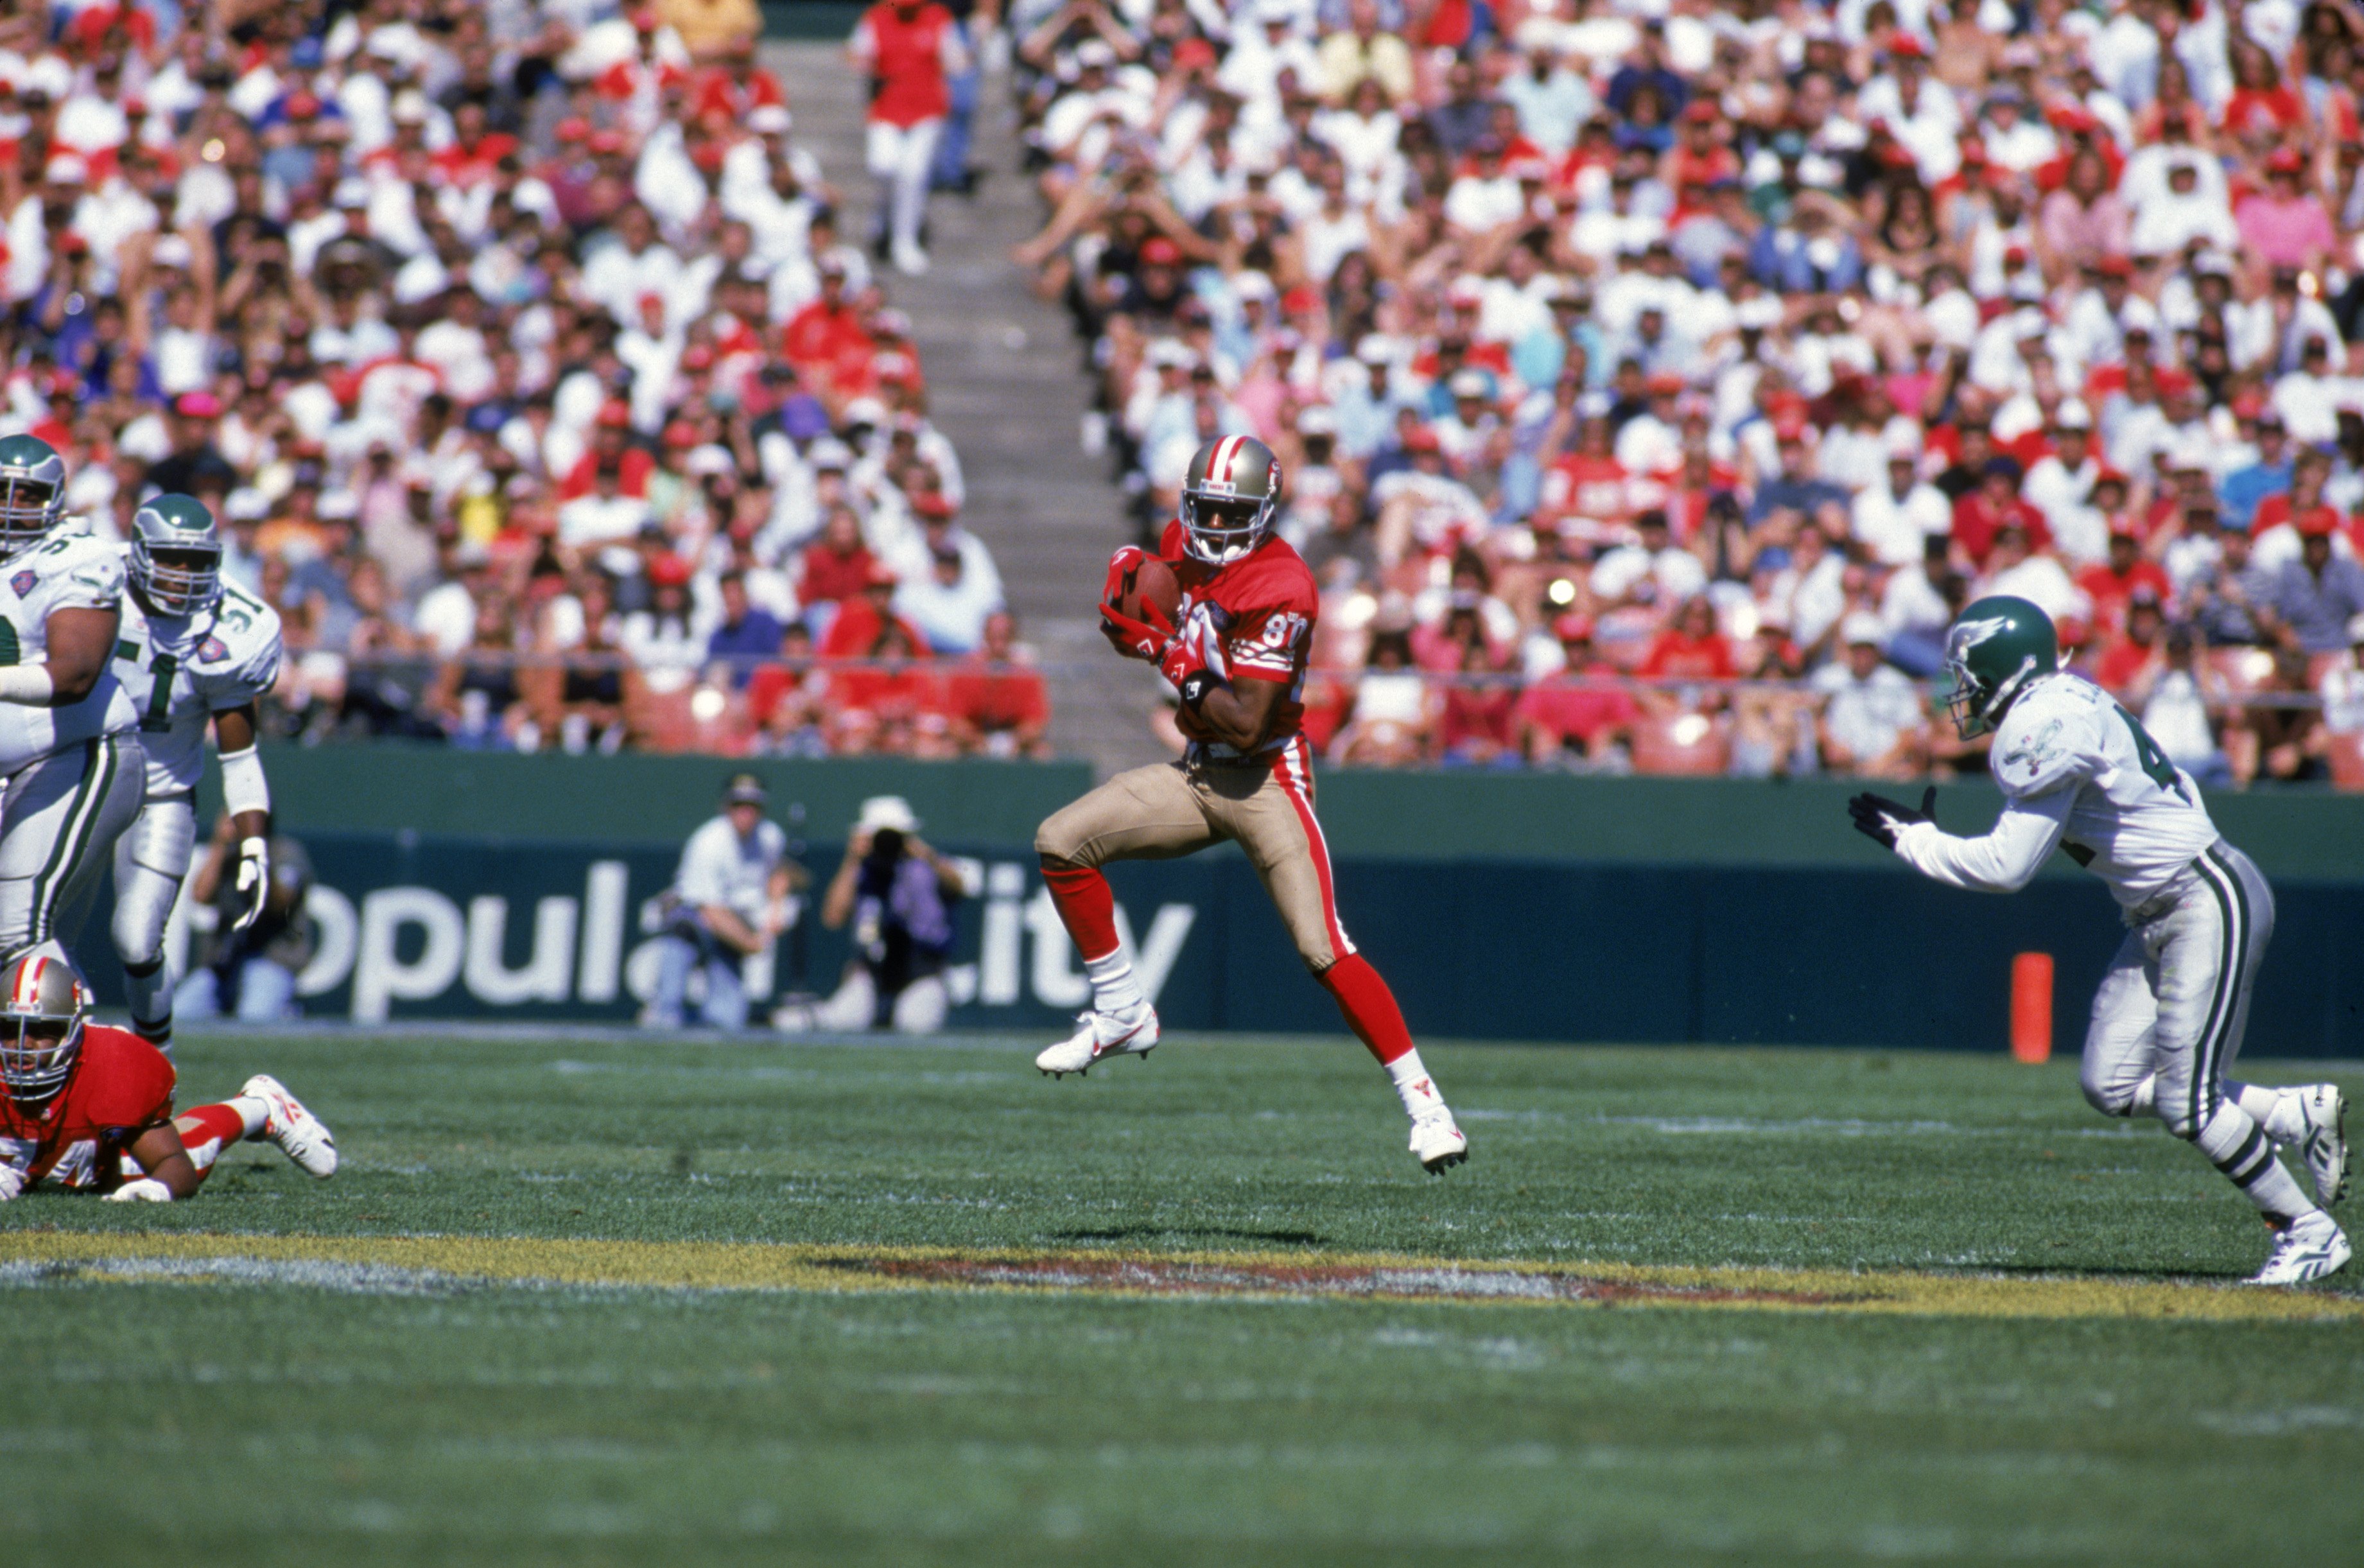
760	1266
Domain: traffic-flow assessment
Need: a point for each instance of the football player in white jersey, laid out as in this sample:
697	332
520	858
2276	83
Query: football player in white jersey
69	740
193	650
2079	773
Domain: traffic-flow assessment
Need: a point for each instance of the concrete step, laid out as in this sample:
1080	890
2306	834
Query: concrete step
1006	383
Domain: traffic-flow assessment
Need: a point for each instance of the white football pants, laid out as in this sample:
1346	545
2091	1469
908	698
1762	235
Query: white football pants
151	859
2175	1002
901	158
58	826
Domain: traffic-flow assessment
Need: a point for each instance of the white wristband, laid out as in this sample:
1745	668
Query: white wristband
27	685
244	787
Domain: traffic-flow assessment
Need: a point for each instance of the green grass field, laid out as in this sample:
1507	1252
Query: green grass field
1133	1318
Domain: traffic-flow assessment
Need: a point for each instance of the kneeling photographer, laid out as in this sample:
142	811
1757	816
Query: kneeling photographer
898	895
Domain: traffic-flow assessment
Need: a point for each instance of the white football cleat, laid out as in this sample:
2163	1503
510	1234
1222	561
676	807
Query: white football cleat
2325	1144
301	1135
1439	1143
2307	1249
1099	1036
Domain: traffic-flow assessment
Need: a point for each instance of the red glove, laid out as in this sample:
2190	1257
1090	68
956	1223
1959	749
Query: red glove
1137	639
1126	561
1180	660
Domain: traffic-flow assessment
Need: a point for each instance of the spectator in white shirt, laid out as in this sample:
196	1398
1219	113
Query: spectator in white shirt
1872	721
1896	521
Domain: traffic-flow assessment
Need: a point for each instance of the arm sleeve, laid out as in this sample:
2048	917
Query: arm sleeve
2001	862
251	677
92	581
1264	647
698	882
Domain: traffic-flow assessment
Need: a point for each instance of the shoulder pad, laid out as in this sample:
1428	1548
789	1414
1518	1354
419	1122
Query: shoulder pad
132	1086
2045	741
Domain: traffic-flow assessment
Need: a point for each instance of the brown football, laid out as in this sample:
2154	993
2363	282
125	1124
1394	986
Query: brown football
1150	582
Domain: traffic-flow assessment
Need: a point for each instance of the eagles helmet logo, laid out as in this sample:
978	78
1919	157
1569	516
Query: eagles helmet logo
1969	634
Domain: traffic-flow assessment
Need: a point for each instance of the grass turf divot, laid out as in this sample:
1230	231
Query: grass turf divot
406	1262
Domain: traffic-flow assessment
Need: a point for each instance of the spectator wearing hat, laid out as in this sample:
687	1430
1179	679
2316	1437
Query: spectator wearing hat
900	897
1872	722
730	897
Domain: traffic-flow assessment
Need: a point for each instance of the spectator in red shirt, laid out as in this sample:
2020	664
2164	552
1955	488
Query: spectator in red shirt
860	621
1580	713
997	706
834	568
828	332
1477	724
2127	655
610	446
1994	505
893	703
2114	584
910	50
1691	649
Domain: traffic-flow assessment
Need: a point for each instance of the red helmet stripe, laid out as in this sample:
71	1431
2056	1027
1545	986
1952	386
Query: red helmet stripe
29	983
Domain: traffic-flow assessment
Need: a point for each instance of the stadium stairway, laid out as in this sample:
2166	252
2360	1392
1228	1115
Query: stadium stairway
1004	385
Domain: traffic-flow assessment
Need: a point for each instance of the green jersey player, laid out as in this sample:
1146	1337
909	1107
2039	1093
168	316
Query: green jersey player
2079	773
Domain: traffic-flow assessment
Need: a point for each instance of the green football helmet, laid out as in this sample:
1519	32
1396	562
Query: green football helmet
1229	494
176	565
1995	648
32	491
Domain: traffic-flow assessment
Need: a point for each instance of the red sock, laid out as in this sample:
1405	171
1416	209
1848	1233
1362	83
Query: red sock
1369	1006
215	1125
1085	907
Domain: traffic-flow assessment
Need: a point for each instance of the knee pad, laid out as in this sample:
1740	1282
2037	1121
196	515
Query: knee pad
1060	839
2180	1120
2110	1100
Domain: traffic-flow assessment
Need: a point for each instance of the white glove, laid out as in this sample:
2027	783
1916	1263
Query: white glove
12	1181
147	1189
254	880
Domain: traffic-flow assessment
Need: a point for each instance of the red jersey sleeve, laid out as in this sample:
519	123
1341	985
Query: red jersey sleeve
131	1084
1271	632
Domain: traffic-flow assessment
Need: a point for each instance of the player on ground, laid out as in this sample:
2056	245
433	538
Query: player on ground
1236	653
68	741
191	650
90	1108
2080	772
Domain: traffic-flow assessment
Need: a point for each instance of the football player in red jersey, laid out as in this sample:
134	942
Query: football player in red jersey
1237	654
89	1108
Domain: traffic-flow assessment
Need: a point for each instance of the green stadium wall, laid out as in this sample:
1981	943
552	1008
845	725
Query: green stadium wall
1499	906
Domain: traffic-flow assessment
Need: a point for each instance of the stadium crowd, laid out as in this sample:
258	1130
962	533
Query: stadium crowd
1655	377
518	349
